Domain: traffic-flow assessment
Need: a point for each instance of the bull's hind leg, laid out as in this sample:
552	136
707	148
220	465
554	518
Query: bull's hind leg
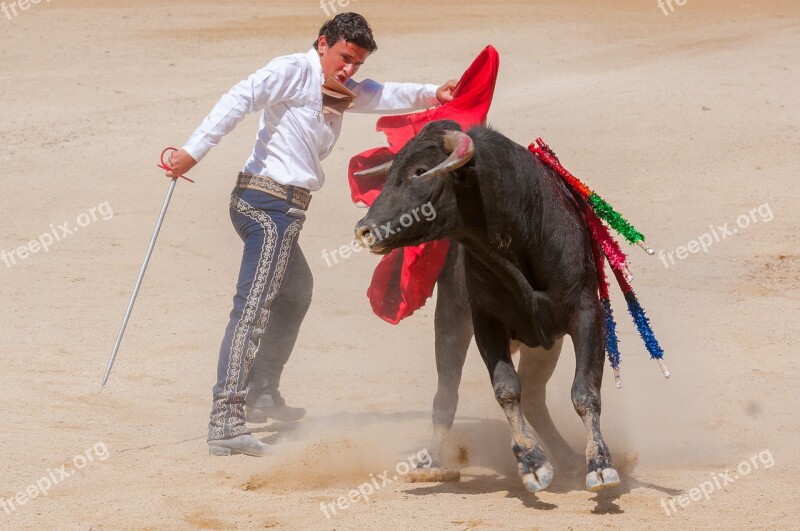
536	366
493	343
587	335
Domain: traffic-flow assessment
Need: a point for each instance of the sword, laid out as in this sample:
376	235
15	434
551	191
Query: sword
147	255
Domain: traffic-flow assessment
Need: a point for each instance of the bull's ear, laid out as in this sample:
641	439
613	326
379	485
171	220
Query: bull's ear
462	175
460	147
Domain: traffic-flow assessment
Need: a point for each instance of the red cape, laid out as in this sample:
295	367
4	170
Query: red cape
404	279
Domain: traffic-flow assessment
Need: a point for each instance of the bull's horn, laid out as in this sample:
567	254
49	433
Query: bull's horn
460	147
383	169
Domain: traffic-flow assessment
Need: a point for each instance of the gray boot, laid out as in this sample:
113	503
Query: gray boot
268	406
243	444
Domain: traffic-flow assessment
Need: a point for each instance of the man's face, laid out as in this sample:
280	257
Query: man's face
342	60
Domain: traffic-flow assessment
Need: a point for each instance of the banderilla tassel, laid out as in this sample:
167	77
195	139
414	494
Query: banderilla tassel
610	248
599	205
643	326
642	323
612	342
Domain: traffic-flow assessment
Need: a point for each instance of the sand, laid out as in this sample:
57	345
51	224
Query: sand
685	122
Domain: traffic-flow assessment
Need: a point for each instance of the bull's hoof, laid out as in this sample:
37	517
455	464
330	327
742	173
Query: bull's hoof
433	474
534	468
538	480
597	480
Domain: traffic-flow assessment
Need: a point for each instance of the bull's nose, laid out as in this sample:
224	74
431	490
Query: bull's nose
363	233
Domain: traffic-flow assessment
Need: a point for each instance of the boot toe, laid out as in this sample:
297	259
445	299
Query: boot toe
243	444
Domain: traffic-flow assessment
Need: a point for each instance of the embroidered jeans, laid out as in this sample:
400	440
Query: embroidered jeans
272	295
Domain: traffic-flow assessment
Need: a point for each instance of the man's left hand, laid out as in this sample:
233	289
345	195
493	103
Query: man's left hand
445	92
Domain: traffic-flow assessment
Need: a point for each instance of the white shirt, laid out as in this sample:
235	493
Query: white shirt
294	134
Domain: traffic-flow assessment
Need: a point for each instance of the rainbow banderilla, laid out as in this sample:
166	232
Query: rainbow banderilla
604	247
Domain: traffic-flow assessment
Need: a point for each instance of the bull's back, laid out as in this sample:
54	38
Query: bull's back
543	233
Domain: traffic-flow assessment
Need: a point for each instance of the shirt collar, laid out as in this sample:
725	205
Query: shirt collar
316	64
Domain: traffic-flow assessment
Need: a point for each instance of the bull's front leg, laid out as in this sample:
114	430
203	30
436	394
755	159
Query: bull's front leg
453	334
587	336
493	342
453	325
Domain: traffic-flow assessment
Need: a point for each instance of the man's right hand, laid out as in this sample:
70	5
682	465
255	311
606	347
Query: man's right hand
181	162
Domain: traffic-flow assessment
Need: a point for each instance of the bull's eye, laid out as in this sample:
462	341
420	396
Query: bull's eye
420	171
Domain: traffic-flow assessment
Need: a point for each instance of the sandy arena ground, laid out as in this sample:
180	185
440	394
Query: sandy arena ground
685	122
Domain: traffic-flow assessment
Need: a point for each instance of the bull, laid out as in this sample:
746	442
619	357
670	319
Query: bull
528	275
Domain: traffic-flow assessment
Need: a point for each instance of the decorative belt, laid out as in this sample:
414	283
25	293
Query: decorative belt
299	197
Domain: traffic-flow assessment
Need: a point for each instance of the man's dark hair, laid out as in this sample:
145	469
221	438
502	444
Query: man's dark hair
351	27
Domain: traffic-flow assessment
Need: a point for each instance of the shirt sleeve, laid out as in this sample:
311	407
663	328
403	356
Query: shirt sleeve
277	81
372	96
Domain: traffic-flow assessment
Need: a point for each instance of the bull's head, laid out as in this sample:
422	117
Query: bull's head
418	202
